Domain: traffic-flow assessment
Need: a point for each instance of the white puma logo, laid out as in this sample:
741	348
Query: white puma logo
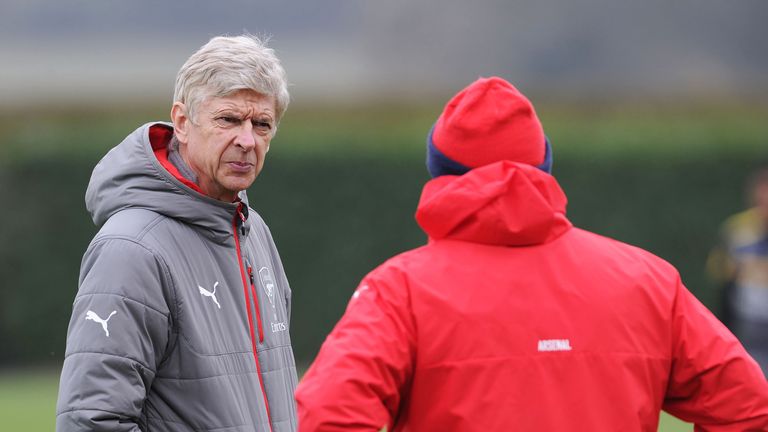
212	295
91	315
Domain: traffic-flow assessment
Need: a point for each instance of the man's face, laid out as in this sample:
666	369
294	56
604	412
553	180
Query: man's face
227	141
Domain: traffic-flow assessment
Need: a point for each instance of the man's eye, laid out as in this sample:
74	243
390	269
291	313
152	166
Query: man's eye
227	121
262	125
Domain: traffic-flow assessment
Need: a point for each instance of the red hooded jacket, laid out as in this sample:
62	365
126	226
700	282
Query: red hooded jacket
511	319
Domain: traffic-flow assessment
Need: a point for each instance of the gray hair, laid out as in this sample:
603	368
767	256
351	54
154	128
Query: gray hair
227	64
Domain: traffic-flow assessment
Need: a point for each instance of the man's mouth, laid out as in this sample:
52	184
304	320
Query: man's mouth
238	166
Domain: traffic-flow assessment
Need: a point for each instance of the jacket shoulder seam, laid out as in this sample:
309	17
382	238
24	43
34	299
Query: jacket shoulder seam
153	221
155	254
151	224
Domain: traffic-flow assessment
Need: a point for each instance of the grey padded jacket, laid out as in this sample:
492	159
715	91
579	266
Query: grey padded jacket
177	292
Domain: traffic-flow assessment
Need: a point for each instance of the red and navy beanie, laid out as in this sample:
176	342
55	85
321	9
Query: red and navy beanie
487	122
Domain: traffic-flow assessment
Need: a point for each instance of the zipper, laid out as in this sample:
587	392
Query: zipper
240	216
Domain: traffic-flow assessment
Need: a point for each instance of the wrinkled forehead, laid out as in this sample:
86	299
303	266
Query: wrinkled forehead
243	101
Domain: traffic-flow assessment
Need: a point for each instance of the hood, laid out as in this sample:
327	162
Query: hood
131	176
504	203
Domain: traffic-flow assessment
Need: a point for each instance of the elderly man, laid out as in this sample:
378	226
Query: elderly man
511	319
182	315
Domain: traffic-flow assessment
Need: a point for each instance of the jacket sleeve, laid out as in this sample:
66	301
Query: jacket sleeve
714	383
117	335
363	367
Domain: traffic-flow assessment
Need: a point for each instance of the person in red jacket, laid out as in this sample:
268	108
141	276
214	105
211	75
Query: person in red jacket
512	319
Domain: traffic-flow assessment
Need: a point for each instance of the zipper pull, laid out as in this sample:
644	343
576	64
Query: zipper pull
250	274
242	218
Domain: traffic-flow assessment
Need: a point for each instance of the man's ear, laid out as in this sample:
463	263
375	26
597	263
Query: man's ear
180	121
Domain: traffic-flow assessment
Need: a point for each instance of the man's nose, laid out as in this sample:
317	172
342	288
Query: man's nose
246	136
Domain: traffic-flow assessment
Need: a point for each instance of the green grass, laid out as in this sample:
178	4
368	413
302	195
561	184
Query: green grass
667	423
28	402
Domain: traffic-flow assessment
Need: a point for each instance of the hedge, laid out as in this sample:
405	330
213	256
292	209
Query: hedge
335	215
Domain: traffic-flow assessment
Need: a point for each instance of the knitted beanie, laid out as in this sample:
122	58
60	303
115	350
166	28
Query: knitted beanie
487	122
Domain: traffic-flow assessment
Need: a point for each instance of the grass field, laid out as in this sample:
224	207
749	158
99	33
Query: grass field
28	402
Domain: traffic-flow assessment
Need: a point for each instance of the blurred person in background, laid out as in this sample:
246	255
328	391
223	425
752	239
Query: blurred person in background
182	315
510	318
740	266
